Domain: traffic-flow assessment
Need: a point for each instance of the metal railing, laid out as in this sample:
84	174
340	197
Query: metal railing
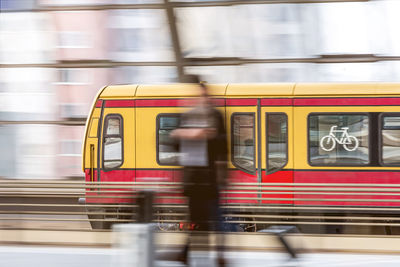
255	205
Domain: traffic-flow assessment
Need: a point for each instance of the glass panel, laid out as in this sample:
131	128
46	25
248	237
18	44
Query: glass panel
276	141
17	4
112	152
234	31
243	141
391	122
139	35
168	151
338	139
113	126
144	74
391	140
345	35
277	72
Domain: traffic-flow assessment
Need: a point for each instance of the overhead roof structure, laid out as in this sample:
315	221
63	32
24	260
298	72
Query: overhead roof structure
181	61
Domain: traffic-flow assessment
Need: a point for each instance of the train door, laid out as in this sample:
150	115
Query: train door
242	119
117	142
277	149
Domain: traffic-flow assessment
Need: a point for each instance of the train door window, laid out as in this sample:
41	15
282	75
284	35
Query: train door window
277	139
390	139
113	142
167	147
338	139
243	141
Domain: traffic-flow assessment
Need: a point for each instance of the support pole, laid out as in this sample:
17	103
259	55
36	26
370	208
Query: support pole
175	39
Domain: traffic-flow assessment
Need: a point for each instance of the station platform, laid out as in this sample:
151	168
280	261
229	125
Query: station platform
46	256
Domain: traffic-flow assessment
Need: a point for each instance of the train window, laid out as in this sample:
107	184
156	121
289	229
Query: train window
113	126
243	141
277	139
390	139
167	147
113	142
338	139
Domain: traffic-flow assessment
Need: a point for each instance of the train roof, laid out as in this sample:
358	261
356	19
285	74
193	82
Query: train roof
268	89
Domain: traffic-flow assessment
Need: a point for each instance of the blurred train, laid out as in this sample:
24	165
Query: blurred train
345	133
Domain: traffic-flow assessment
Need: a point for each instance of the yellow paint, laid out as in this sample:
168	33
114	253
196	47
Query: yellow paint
91	141
119	92
146	135
91	133
388	89
95	112
336	89
94	124
178	90
278	89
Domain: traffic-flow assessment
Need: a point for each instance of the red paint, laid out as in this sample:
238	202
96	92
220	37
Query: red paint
237	176
155	176
220	102
357	101
132	175
360	177
181	102
162	175
347	177
119	175
101	195
187	102
277	177
241	102
99	103
276	102
120	103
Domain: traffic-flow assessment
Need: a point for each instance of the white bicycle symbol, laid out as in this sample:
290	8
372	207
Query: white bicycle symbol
328	142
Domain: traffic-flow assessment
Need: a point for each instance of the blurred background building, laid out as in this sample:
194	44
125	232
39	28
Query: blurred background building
56	54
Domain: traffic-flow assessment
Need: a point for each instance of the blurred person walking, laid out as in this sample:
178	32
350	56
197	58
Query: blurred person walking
203	149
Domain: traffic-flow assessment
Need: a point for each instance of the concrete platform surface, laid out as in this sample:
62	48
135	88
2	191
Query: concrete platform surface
43	256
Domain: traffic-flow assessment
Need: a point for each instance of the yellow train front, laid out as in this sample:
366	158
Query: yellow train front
280	135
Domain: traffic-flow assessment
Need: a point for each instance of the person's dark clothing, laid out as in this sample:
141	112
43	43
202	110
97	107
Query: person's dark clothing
202	183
